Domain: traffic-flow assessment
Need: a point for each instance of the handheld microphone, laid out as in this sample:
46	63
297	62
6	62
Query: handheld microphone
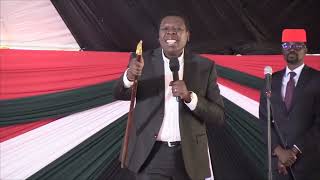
267	75
174	67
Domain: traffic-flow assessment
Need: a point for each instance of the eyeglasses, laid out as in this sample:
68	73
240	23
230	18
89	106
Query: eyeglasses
287	46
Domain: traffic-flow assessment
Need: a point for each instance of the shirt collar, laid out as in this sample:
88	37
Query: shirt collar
180	58
296	70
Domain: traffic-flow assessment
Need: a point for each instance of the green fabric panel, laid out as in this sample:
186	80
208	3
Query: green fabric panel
90	158
238	147
245	128
54	105
240	77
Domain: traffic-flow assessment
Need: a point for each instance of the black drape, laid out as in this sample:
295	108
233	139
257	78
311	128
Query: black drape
217	26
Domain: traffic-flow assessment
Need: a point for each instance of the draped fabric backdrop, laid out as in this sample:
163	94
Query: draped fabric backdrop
217	26
59	121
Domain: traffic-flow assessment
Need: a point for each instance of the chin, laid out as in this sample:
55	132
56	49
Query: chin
293	62
171	52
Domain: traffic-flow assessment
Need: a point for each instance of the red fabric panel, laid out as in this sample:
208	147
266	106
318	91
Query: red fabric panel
254	64
12	131
33	72
244	90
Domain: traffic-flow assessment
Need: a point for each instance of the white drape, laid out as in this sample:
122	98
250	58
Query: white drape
33	24
26	154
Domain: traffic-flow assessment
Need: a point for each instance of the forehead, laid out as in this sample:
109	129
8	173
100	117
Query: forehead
172	20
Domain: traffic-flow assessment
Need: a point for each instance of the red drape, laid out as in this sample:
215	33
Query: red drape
31	72
28	72
254	64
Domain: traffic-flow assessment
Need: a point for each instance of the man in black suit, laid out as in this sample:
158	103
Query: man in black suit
295	106
168	139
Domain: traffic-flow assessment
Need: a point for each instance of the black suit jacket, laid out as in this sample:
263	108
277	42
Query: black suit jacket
300	125
200	77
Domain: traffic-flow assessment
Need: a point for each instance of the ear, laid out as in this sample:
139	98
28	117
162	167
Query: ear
188	38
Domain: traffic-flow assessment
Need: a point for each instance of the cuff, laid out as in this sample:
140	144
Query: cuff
126	82
295	146
194	101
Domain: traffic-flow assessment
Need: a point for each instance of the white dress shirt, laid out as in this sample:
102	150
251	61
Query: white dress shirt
170	130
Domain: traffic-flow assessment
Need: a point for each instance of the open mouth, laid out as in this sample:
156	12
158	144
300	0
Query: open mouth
171	42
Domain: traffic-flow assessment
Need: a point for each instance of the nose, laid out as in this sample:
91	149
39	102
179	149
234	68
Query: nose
172	31
291	49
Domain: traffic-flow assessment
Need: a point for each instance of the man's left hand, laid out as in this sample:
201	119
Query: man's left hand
179	88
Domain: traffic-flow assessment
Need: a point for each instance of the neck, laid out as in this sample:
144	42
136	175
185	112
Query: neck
170	56
294	66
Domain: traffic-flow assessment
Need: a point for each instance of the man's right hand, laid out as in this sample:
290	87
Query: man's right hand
286	156
282	168
135	68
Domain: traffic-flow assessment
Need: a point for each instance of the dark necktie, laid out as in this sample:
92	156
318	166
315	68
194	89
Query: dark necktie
289	90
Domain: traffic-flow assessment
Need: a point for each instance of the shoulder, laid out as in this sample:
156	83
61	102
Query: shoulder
152	52
278	74
202	60
312	71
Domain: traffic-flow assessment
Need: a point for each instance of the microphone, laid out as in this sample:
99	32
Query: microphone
267	75
174	67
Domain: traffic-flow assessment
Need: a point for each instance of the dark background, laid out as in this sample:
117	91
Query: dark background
217	26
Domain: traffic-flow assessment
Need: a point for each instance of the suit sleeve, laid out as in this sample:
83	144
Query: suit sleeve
263	120
210	108
120	92
313	134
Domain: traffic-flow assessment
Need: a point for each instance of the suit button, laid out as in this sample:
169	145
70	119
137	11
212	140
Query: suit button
155	136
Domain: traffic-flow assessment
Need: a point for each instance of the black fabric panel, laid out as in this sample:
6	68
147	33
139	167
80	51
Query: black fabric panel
220	26
54	105
237	150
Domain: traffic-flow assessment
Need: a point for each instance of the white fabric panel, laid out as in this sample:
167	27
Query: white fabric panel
26	154
33	24
240	100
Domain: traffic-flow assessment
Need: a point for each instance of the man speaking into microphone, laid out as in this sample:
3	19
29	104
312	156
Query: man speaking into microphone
177	95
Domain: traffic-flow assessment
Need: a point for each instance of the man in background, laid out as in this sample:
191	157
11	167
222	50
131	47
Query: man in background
295	109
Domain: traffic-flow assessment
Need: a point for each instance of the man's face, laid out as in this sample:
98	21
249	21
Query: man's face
173	35
294	52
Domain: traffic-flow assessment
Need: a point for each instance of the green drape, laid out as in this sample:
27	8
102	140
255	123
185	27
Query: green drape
55	105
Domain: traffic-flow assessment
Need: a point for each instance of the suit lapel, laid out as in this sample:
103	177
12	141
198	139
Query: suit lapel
276	93
158	69
303	79
188	68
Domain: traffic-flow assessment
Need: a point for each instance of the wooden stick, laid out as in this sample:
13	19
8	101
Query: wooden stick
130	114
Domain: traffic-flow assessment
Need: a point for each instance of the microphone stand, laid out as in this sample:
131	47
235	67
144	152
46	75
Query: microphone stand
130	113
283	144
268	92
